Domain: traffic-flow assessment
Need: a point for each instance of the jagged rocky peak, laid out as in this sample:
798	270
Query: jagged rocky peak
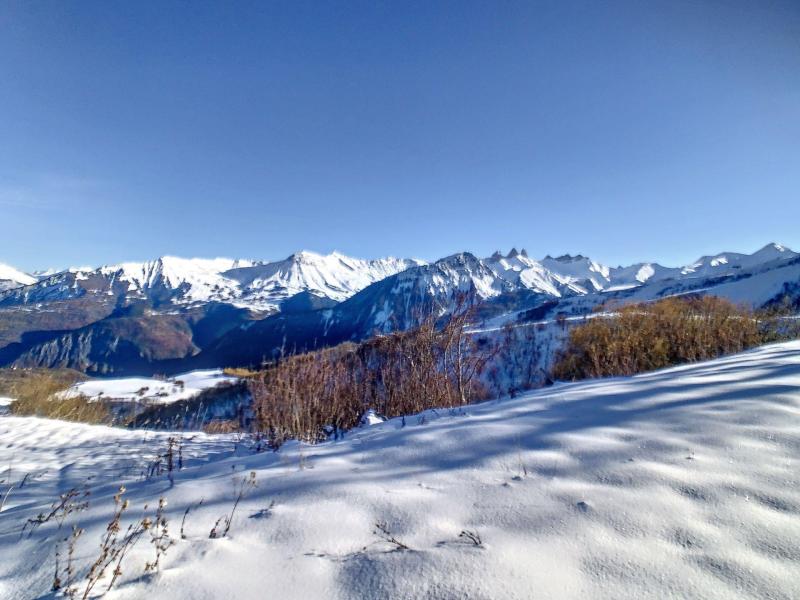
514	253
459	259
568	258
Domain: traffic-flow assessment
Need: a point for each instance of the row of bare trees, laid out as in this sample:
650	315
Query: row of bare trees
313	395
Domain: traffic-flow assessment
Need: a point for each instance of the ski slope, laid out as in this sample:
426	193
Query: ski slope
684	483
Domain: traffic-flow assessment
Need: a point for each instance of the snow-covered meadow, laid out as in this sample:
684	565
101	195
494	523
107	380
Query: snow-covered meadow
149	389
682	483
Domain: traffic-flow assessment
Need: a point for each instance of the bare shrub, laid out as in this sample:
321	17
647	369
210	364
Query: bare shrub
64	579
471	537
159	535
222	426
313	395
169	461
186	514
644	337
384	533
239	372
69	502
41	394
223	524
115	545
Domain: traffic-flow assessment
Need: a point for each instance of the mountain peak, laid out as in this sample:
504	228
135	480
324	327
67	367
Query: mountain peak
774	249
306	256
569	258
11	277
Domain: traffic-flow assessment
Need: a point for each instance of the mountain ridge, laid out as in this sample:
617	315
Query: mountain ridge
225	312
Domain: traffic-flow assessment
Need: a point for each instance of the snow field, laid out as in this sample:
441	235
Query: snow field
148	389
681	483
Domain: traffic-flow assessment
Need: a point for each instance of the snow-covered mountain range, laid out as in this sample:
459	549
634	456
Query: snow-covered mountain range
173	314
256	285
264	285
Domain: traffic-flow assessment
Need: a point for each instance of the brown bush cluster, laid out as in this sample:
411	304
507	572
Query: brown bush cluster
644	337
39	393
312	395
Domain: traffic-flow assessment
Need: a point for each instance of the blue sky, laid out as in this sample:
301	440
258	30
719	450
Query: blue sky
622	130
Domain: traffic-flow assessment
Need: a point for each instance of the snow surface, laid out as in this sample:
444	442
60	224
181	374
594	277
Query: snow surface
677	484
147	389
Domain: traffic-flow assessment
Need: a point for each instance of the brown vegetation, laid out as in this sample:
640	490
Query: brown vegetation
309	396
644	337
239	372
38	392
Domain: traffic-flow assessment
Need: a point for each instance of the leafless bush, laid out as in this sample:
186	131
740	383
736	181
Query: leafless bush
186	514
471	537
64	580
169	461
223	524
317	394
385	535
239	372
159	535
643	337
115	545
222	426
69	502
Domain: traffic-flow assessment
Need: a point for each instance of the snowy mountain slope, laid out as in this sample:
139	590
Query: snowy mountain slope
263	286
198	279
583	273
567	279
521	271
12	278
334	276
680	483
497	287
570	275
402	300
728	263
756	287
239	313
243	283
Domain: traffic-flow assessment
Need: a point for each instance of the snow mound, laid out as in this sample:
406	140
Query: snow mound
681	483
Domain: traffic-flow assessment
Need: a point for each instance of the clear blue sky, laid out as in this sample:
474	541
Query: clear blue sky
623	130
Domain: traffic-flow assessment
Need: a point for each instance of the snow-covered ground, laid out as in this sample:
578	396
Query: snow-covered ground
147	389
683	483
